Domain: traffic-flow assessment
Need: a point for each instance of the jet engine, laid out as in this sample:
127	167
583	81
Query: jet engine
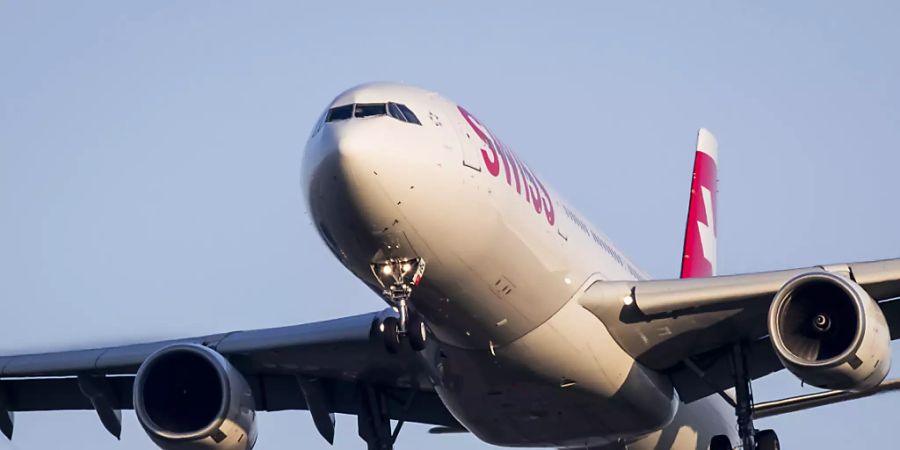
189	397
830	333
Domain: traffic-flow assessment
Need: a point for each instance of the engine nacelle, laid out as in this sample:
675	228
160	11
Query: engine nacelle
189	397
830	333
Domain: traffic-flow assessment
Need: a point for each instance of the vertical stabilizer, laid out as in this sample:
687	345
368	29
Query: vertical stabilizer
699	256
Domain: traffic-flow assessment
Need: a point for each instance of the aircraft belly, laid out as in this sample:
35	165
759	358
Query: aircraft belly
692	428
564	384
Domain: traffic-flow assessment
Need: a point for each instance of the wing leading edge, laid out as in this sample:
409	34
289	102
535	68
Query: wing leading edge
343	359
687	327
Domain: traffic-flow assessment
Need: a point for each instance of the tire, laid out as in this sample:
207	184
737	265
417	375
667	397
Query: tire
767	440
720	442
417	333
390	332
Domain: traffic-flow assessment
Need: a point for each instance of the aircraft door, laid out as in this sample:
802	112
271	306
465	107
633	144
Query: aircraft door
469	142
562	219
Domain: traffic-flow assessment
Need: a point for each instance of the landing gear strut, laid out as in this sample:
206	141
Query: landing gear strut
373	420
751	438
398	276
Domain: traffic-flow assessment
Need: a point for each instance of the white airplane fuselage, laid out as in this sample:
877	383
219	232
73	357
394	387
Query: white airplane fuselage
524	364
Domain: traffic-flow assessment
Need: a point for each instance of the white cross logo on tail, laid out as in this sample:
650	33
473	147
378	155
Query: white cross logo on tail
708	230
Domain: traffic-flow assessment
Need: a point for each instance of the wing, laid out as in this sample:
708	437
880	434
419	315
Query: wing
325	367
687	327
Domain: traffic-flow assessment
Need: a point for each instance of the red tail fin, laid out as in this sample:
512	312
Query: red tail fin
699	257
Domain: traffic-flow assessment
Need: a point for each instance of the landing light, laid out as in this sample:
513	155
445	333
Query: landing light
628	300
406	267
387	269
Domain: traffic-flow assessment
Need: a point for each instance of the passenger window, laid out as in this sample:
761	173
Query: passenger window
339	113
370	109
410	117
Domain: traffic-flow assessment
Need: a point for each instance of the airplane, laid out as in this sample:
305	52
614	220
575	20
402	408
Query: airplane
508	315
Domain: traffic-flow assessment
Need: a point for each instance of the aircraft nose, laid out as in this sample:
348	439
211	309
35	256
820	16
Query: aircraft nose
347	173
355	149
346	163
337	151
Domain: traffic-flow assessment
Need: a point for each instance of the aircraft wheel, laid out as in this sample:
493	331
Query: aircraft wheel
720	442
767	440
390	331
418	333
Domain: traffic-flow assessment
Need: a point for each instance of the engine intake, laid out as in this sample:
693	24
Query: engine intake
189	397
829	332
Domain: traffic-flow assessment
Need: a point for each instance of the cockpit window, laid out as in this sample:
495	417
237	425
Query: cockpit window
410	117
370	109
319	123
339	113
395	112
359	110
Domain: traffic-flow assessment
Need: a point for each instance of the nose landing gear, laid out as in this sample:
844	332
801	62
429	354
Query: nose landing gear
398	276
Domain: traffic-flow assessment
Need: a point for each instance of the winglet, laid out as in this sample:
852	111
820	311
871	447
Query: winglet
699	256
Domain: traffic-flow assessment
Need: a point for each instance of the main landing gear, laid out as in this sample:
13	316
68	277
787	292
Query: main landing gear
398	276
751	438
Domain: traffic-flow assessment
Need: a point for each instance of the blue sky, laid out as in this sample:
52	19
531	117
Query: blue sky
149	158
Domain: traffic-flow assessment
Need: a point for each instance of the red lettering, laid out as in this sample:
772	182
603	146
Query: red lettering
502	152
536	200
492	163
548	205
535	192
525	182
514	162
